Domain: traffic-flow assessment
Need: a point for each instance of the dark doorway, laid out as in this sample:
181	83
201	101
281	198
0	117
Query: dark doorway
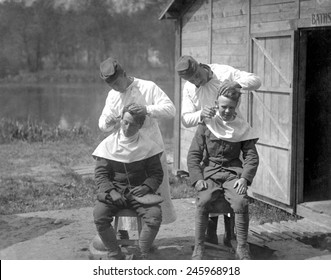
317	167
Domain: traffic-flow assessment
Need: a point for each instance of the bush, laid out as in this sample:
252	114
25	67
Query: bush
31	131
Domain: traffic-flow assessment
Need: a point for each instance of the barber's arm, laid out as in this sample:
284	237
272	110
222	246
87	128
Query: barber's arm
109	119
191	116
246	80
162	106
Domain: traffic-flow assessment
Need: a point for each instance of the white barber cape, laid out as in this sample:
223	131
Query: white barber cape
236	130
120	148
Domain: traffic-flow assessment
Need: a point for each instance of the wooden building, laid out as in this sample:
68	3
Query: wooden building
288	44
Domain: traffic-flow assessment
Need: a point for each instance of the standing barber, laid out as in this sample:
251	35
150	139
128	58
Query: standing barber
153	102
204	82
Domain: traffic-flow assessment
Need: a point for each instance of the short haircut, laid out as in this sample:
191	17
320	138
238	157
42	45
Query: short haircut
231	93
138	117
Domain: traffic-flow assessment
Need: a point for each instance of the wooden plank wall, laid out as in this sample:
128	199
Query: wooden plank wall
271	115
310	7
229	33
229	37
195	42
195	31
272	104
177	100
273	15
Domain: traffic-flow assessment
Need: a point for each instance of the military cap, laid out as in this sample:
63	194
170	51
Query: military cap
186	66
110	69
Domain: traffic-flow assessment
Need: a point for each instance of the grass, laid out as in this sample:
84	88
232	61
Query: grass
38	176
32	131
36	172
261	213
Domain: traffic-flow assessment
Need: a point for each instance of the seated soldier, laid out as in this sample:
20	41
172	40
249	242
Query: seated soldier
223	138
127	166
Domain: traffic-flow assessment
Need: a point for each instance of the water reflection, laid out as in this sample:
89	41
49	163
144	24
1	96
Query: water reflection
65	106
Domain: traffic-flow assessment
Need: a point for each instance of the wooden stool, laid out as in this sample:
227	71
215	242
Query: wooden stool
228	222
128	213
224	209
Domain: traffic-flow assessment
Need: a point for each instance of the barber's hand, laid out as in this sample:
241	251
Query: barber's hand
139	109
140	190
226	85
117	198
208	112
201	185
112	121
241	186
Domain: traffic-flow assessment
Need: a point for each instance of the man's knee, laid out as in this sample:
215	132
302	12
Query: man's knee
102	216
240	204
153	216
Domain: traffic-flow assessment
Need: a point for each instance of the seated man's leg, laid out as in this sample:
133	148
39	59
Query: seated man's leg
204	206
211	233
219	205
239	204
201	222
103	216
152	217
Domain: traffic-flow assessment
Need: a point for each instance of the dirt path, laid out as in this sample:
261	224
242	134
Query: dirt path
66	234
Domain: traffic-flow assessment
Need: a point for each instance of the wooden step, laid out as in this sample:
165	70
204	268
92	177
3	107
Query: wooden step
284	235
263	234
314	228
301	228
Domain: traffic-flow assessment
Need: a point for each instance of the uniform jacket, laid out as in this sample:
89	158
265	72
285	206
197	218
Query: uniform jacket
110	174
218	155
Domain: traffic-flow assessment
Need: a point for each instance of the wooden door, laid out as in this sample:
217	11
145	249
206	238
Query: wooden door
270	111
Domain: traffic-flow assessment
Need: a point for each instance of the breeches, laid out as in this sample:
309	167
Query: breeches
221	191
103	213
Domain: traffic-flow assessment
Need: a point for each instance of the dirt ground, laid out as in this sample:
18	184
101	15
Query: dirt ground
67	234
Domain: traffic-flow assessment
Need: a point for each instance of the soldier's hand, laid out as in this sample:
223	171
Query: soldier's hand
112	120
241	186
140	190
201	185
117	198
226	85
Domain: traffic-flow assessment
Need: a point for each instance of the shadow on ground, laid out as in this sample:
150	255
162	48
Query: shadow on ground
261	252
15	229
181	248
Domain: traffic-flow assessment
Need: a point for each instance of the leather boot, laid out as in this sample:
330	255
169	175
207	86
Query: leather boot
211	233
147	236
201	221
108	237
242	223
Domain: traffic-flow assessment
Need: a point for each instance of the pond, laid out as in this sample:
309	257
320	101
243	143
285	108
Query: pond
62	105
